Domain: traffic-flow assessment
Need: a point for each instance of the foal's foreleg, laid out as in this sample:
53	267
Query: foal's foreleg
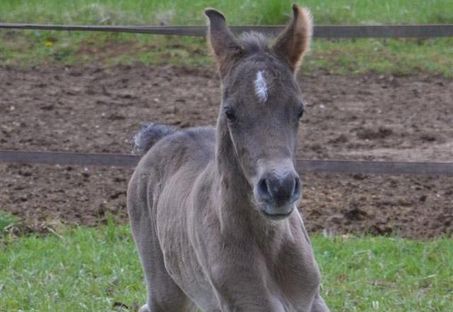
241	289
163	293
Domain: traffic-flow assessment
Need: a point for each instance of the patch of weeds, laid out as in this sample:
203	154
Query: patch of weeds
7	220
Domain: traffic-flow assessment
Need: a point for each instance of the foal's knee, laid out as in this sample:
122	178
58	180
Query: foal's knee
176	305
319	305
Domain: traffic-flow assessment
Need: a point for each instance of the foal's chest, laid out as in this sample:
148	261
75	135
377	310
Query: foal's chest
294	277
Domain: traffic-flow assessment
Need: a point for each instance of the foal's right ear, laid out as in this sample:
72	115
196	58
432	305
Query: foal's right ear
223	43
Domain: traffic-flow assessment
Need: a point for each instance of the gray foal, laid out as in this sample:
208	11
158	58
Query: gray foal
213	210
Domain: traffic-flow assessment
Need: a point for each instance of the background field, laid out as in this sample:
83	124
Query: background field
366	99
240	11
98	270
399	57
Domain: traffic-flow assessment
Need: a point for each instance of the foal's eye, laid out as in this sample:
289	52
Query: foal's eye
229	113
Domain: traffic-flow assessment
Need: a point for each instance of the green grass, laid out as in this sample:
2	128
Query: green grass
400	57
6	221
239	11
386	274
98	270
79	270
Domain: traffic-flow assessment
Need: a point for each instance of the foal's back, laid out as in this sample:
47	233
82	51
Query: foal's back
188	151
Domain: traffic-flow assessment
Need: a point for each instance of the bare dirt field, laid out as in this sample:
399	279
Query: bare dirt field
96	109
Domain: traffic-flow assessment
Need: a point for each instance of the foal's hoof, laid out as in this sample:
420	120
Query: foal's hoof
144	309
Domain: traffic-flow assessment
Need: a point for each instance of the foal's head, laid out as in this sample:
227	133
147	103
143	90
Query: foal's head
262	105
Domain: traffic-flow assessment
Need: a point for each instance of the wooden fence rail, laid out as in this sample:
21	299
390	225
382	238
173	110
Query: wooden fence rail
303	165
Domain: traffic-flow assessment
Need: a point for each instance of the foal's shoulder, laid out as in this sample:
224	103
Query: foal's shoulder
191	149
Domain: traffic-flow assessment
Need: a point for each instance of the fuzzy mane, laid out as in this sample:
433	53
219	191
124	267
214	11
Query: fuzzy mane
254	42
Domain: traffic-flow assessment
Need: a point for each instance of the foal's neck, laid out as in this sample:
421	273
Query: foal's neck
233	184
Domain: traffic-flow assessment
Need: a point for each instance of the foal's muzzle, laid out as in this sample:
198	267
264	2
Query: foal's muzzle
277	192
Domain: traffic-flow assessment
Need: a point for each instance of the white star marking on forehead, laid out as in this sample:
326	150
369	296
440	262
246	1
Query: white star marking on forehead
261	87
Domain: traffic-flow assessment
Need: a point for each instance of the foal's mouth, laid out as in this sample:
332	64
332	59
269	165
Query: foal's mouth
277	216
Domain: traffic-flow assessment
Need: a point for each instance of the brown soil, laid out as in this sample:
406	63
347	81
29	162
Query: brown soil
94	109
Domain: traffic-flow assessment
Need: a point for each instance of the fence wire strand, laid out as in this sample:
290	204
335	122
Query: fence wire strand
322	31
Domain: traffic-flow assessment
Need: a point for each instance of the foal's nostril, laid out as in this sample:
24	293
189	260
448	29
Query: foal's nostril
263	189
296	189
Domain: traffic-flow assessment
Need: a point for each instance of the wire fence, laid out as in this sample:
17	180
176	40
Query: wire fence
322	31
303	165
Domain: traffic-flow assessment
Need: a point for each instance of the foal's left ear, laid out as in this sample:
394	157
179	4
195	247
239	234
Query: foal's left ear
294	41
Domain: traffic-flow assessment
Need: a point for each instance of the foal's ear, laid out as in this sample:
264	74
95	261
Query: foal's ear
224	45
294	41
